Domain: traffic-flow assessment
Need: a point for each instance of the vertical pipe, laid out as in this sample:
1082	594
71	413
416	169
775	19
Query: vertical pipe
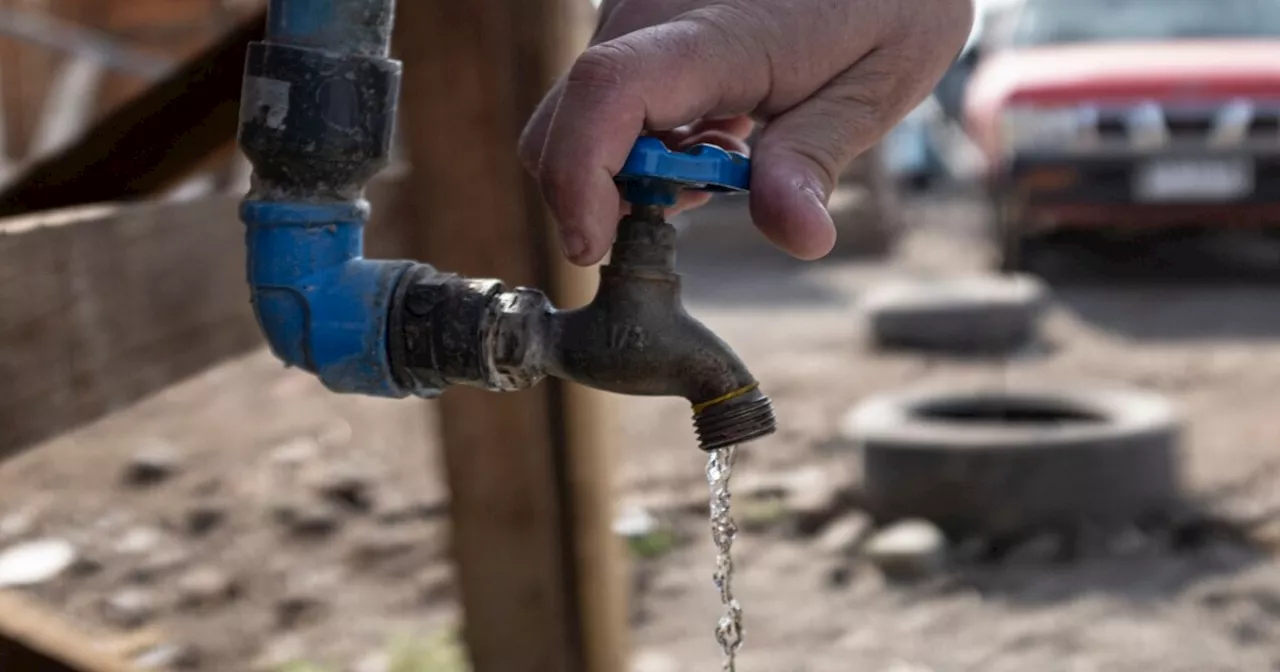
360	27
319	101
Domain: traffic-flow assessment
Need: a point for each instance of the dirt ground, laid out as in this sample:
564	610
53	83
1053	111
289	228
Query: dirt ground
230	555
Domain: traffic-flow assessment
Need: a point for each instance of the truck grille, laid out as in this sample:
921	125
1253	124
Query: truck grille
1234	123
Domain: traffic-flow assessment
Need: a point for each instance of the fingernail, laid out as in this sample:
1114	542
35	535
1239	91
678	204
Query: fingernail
573	245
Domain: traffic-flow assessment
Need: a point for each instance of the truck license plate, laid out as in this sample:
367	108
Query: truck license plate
1194	180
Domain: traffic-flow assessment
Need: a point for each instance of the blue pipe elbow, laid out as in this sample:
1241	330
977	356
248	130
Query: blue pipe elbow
322	306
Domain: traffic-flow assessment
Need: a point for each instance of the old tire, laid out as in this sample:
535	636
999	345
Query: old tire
1005	461
959	314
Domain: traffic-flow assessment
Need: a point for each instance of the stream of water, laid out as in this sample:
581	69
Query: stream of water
723	530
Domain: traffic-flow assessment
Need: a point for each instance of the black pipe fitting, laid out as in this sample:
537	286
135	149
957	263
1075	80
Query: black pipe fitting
316	124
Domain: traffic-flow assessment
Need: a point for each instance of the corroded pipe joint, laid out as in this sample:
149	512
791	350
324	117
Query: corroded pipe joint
449	330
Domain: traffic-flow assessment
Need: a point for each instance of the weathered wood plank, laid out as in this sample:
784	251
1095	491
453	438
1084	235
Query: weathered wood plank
33	640
103	305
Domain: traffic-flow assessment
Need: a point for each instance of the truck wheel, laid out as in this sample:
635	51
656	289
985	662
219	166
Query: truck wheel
981	314
1007	461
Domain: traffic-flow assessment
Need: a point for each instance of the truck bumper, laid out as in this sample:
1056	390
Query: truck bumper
1049	192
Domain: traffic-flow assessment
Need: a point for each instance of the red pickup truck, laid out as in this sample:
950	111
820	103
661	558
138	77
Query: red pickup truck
1128	117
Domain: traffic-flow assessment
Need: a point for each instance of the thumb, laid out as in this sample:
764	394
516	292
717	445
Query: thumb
798	159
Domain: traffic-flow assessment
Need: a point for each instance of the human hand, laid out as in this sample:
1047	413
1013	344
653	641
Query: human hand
827	78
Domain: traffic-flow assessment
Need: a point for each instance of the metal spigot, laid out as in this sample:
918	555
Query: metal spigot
635	336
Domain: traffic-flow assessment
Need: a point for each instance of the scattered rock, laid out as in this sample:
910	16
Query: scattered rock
377	545
750	484
840	576
169	657
208	487
316	521
18	524
129	608
205	587
348	487
846	534
645	535
813	499
436	584
36	562
138	540
204	517
158	565
1266	535
1041	549
374	662
654	661
634	522
335	435
759	514
294	453
297	609
85	566
152	465
909	550
280	654
305	518
394	509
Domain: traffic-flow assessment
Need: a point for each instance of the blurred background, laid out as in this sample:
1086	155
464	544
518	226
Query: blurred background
1025	408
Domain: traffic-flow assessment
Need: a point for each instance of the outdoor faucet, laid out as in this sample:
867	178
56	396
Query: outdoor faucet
635	336
318	105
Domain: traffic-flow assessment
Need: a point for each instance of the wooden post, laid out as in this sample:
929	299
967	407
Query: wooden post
541	573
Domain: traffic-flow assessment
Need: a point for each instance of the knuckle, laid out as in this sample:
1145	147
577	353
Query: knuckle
824	155
603	67
858	106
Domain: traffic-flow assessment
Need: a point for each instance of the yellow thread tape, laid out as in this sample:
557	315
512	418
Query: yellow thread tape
698	408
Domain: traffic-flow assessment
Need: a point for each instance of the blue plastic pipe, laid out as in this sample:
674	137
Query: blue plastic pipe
345	26
320	304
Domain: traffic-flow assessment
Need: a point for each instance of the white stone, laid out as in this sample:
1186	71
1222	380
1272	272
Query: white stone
129	608
138	540
35	562
634	522
374	662
845	534
654	661
911	549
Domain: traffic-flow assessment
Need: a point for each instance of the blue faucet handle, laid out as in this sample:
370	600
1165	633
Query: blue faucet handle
655	175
